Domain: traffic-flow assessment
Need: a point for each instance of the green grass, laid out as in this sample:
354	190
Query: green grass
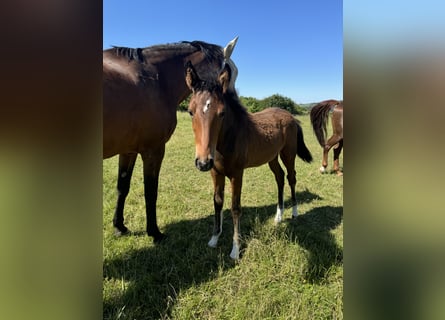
292	271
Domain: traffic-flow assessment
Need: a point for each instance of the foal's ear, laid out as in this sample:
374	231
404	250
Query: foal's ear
224	77
191	77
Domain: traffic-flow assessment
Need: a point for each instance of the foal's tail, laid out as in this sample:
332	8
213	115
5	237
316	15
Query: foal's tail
302	151
319	119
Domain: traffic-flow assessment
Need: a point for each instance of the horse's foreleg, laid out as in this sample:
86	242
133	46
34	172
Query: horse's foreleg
337	152
218	202
126	165
152	164
236	183
274	165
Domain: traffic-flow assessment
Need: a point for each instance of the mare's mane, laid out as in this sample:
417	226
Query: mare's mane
211	52
129	53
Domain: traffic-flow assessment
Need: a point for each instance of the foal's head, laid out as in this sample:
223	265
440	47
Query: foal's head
207	109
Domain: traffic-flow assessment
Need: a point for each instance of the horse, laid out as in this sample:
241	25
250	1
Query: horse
228	139
319	118
142	88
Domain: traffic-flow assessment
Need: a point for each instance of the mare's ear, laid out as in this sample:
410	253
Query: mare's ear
224	77
191	77
229	48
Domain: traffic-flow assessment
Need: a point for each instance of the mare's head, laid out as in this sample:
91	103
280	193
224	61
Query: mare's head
207	109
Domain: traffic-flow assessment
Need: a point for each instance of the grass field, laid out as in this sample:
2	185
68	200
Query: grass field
293	271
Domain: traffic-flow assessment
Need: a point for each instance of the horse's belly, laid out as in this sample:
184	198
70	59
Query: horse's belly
136	136
262	155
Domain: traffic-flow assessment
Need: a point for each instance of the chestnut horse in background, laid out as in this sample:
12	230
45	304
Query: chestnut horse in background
319	118
142	88
228	139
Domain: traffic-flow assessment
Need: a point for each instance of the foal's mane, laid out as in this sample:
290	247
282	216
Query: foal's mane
230	97
233	102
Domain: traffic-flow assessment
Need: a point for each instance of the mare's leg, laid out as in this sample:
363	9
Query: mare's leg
337	152
324	162
126	165
152	165
236	182
329	144
274	165
218	202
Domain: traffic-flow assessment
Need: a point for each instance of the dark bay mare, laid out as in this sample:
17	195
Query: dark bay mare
319	118
228	139
142	88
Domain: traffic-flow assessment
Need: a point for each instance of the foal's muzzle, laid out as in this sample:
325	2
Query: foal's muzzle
205	165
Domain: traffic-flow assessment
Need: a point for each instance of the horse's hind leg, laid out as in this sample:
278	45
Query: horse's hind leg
274	165
289	162
324	162
337	152
126	165
152	165
329	144
218	201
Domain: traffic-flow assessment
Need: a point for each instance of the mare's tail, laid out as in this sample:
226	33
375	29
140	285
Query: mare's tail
319	119
302	151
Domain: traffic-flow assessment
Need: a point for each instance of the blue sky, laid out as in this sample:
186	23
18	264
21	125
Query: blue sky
293	47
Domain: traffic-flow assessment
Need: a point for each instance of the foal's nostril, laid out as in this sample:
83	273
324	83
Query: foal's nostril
204	165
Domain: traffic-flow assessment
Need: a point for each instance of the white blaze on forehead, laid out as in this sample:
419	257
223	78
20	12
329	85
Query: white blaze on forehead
206	106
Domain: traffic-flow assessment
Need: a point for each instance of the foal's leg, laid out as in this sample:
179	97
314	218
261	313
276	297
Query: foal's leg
291	178
152	165
337	152
288	158
274	165
236	182
126	165
218	202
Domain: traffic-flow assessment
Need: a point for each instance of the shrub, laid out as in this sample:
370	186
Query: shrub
184	105
282	102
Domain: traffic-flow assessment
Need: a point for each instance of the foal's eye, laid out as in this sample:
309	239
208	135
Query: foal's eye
190	113
221	114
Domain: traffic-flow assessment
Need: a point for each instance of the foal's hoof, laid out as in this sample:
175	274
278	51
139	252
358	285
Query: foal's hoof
213	243
122	231
339	173
158	237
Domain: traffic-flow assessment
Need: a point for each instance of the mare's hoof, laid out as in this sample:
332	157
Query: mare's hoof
119	232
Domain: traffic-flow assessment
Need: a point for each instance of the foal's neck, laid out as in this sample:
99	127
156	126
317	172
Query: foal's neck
235	128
